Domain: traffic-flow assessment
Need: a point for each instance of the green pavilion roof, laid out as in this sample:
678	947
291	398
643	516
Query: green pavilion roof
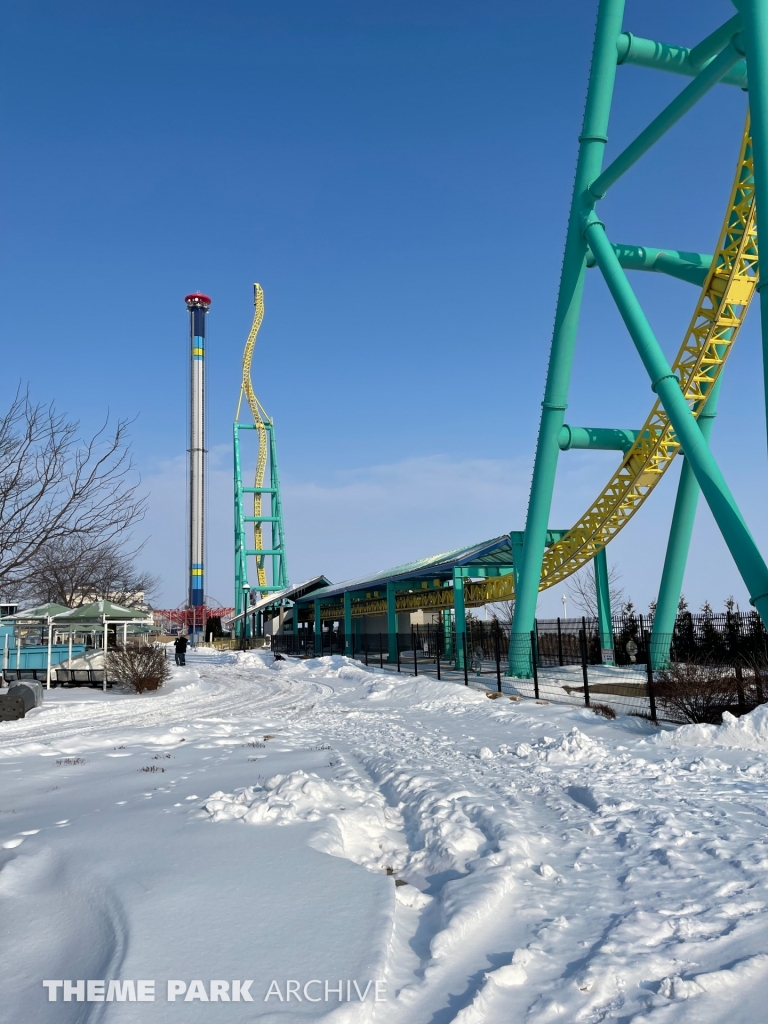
100	610
497	551
41	613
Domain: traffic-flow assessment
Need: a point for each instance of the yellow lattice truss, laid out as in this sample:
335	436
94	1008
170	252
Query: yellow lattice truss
722	306
259	416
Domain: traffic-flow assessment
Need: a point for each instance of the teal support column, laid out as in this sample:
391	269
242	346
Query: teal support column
679	543
460	616
707	79
649	53
592	143
448	634
755	17
692	267
241	562
318	628
348	623
604	616
665	384
602	439
295	619
391	623
516	541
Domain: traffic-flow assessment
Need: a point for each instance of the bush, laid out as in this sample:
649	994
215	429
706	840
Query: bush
697	692
138	667
213	626
604	710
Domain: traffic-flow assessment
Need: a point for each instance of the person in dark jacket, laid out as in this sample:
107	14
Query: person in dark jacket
180	646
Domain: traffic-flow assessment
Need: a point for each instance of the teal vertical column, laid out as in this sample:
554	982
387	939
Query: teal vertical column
592	143
604	615
318	628
516	542
391	623
279	562
241	564
348	623
295	619
754	15
448	633
679	543
459	615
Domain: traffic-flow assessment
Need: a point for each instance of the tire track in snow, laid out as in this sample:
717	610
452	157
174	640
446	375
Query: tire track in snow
217	697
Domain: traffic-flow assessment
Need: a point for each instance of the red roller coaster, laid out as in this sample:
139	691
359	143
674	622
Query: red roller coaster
186	619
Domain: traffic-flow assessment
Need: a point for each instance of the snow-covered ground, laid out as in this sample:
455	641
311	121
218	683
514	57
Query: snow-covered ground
251	823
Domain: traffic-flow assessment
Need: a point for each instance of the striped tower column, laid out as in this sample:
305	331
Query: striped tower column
198	306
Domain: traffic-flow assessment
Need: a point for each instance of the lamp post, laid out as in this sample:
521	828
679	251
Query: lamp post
246	605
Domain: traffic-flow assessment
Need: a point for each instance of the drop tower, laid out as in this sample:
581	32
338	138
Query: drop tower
198	306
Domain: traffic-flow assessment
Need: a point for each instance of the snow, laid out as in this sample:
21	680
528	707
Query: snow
750	732
291	821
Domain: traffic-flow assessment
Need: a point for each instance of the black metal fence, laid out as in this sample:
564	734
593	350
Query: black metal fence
705	667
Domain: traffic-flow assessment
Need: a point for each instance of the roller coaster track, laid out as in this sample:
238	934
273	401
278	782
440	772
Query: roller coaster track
720	312
259	416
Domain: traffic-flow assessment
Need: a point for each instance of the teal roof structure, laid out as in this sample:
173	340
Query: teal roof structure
292	594
494	552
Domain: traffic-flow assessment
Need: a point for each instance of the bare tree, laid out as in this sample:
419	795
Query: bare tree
56	486
582	587
503	612
76	571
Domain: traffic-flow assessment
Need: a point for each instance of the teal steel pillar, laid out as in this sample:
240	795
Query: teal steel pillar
604	616
241	562
592	143
516	542
295	619
460	616
754	15
665	384
348	623
448	634
391	623
679	543
318	628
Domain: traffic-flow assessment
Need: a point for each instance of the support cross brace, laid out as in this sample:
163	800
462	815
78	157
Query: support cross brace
665	384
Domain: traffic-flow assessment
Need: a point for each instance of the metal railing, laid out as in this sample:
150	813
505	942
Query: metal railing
562	665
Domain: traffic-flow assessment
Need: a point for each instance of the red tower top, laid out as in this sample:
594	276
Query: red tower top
197	299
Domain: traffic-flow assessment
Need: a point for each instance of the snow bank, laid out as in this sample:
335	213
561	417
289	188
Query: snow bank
355	822
716	981
574	746
749	732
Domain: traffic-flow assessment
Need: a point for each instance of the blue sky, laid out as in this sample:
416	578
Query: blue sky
397	178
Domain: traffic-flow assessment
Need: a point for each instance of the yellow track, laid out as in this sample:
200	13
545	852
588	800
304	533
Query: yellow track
720	312
259	415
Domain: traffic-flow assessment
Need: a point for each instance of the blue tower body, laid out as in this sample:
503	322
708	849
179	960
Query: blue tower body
198	306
